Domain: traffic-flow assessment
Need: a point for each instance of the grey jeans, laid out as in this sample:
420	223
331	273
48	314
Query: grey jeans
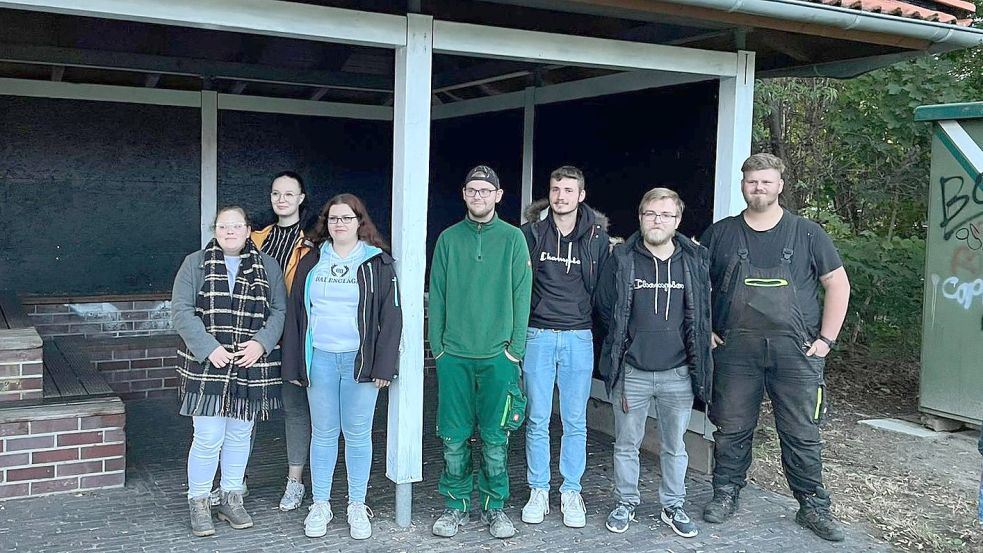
296	423
673	395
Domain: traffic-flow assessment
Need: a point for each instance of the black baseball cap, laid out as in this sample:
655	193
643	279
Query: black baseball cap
483	173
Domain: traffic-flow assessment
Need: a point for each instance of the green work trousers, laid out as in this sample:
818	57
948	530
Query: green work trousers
474	392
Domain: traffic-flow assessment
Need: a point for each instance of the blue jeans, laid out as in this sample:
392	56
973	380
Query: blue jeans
672	393
340	404
565	359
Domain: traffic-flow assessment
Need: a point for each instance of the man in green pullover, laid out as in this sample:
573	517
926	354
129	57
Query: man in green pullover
480	284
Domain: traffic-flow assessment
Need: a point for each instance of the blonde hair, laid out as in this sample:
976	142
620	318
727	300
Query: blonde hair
763	161
661	194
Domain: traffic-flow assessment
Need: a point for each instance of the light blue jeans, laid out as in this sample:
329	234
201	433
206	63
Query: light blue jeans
340	404
564	359
672	393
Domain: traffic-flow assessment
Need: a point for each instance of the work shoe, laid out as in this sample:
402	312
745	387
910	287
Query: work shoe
293	495
679	521
358	520
215	498
537	507
499	524
815	515
573	509
318	516
201	517
449	523
723	505
620	517
232	511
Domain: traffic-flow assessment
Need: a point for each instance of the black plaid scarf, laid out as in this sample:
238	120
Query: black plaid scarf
231	391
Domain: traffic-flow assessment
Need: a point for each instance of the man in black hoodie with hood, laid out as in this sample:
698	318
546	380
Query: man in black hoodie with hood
568	243
654	300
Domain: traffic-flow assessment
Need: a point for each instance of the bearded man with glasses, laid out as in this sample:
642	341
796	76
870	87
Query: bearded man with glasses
480	284
654	300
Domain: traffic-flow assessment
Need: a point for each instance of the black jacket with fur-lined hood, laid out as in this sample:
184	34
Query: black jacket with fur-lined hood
591	233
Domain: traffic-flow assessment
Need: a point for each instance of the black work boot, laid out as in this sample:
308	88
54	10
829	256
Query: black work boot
815	515
723	504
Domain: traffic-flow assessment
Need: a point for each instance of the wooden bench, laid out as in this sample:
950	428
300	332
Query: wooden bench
70	375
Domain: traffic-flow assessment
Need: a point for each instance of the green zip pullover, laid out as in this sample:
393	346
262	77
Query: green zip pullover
480	284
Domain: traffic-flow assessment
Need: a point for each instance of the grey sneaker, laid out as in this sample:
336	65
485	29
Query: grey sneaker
215	498
679	521
449	523
201	517
537	507
499	524
318	517
358	520
573	509
232	511
293	495
620	517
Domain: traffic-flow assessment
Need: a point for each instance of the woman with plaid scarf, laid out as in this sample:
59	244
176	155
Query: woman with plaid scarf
228	306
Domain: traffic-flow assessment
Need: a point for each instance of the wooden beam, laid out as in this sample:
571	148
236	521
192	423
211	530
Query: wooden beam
411	176
263	104
170	65
209	163
262	17
503	43
734	121
99	93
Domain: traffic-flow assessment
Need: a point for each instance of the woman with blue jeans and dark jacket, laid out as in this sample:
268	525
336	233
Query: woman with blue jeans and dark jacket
341	341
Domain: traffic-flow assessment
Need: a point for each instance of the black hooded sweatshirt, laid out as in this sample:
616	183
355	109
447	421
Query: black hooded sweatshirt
655	326
565	268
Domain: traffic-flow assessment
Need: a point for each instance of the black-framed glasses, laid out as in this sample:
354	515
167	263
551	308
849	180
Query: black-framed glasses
346	219
653	217
479	192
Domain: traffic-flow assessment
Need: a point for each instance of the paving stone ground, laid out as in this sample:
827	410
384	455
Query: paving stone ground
151	514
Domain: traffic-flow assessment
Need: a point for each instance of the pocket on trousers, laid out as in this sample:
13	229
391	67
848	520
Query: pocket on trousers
514	411
682	372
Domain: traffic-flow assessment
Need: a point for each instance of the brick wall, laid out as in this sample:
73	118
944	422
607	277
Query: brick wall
138	373
21	368
113	318
62	448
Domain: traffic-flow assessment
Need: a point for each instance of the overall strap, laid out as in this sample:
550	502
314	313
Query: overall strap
788	250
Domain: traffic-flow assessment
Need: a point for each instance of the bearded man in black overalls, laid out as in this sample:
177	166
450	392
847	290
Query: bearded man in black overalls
766	266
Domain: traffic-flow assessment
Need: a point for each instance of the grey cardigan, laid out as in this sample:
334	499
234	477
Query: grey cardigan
187	284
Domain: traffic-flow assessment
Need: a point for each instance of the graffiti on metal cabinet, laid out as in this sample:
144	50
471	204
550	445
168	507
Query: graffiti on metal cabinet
960	210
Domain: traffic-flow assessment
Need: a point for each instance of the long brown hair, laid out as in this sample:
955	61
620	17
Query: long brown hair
367	231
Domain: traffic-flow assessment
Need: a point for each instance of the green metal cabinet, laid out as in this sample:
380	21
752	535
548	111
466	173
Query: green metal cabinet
952	338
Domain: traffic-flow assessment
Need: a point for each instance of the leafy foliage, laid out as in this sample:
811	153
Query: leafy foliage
859	163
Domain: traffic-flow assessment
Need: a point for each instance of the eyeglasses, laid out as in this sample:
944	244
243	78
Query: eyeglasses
289	196
346	219
479	192
230	226
654	217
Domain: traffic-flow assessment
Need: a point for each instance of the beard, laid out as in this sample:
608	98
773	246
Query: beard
760	202
480	212
658	237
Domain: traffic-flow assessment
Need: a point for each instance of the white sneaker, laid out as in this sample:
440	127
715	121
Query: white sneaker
293	495
358	519
537	507
573	509
316	523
